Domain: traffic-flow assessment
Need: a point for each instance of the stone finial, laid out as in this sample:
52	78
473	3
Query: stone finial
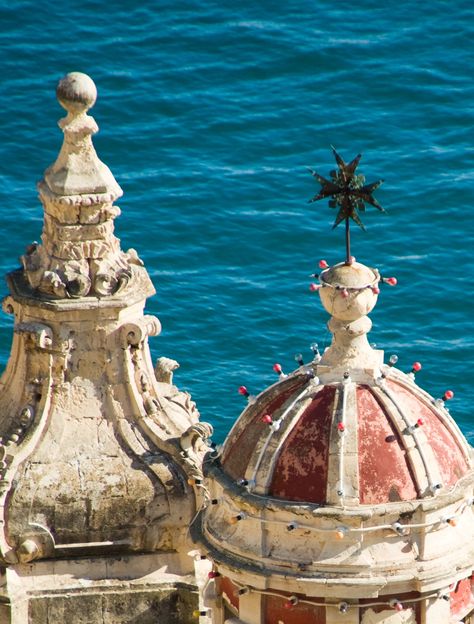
78	169
348	294
99	463
79	255
164	368
76	92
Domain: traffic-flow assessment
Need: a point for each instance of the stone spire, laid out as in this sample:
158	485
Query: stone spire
100	453
80	256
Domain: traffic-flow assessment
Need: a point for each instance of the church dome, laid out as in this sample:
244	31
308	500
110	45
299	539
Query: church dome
368	440
347	429
342	487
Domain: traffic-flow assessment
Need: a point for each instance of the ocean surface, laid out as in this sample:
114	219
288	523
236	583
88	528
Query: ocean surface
209	114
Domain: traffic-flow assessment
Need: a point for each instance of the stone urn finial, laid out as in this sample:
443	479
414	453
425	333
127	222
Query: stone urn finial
348	293
78	169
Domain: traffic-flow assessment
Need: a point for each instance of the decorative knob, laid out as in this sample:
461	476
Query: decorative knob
76	92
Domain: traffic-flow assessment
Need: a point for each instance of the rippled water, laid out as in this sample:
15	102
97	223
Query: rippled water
210	113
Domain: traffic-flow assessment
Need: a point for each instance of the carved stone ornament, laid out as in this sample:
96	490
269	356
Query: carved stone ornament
98	458
79	255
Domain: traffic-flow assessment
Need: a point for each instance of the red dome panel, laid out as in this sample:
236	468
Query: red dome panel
451	462
225	586
301	470
237	454
384	473
276	610
462	599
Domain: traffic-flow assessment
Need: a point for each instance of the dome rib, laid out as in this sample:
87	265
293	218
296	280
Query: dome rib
441	413
387	466
301	468
343	470
261	473
427	476
447	456
247	429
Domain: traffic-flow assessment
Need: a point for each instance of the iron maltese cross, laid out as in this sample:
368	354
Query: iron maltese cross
347	190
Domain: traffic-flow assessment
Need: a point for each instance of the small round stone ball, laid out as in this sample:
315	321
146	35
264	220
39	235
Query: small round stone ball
343	303
76	92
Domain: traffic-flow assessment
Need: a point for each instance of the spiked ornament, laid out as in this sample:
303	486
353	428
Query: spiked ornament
347	190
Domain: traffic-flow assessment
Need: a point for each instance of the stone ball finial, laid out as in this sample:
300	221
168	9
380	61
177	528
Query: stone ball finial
349	291
76	92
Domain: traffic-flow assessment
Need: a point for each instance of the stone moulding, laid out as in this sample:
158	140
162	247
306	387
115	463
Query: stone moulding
262	541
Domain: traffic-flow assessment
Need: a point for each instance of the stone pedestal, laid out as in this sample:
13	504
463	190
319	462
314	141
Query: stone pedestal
109	590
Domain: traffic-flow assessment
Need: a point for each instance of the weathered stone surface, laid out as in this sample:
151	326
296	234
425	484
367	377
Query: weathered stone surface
99	461
103	589
172	606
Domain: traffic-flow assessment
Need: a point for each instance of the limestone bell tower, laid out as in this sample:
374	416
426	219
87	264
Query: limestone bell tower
100	453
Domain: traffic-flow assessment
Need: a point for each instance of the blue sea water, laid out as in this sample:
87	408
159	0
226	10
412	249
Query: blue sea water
210	113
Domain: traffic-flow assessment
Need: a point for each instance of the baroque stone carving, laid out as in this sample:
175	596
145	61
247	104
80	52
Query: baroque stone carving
37	334
135	333
91	464
164	368
79	255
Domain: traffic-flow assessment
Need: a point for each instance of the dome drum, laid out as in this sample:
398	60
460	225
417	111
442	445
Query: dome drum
237	600
272	606
302	540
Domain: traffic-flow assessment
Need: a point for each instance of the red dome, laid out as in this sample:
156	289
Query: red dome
376	442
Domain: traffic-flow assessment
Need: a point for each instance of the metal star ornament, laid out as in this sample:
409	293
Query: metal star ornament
347	191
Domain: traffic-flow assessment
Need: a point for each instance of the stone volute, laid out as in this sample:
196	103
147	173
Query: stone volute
100	453
344	492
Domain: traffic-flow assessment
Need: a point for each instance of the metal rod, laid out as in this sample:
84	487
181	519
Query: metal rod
348	243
